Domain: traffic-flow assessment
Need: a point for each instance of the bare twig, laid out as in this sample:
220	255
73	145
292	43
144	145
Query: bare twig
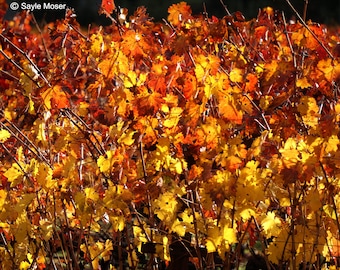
309	30
35	67
225	8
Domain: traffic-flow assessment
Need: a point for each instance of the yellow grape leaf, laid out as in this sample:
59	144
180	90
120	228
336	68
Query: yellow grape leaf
44	176
313	200
31	109
105	163
178	227
214	239
24	202
303	83
97	44
278	247
166	206
22	227
83	108
206	65
131	79
3	196
209	133
215	83
106	254
265	102
127	138
328	209
4	135
40	127
14	174
173	118
91	194
161	152
47	228
246	214
289	153
330	68
24	265
236	75
176	165
332	144
229	235
118	222
271	225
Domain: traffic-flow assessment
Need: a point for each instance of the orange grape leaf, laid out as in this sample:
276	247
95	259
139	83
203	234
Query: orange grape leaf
147	126
233	163
251	83
228	109
108	6
246	104
178	13
134	43
307	106
55	97
148	102
106	68
189	85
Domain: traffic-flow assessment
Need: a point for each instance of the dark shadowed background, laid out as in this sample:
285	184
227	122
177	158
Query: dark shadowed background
327	11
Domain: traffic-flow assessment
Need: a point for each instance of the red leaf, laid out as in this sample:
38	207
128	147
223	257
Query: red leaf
108	6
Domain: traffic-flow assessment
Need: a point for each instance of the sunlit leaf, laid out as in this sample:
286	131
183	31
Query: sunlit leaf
178	13
108	6
271	225
4	135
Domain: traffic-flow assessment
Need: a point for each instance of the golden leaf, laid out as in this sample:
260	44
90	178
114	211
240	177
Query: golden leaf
271	225
303	83
4	135
236	75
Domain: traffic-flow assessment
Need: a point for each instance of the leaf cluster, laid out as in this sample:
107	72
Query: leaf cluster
214	133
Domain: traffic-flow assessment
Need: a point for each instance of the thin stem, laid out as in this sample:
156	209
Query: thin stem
309	30
331	196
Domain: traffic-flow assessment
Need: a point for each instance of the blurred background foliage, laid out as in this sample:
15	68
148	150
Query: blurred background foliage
327	11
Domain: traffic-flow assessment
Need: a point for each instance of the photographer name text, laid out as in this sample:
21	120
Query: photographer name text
37	6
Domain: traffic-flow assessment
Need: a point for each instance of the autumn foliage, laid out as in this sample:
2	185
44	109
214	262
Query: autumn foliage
121	142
